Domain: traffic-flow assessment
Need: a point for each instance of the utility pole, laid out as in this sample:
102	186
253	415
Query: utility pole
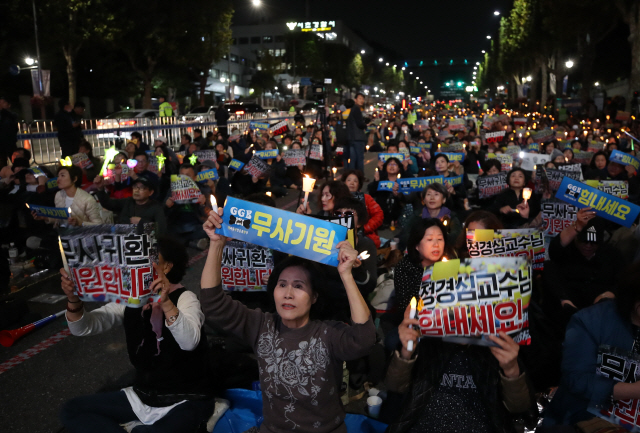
43	113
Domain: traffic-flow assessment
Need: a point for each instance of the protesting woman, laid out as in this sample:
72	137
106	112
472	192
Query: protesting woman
510	206
391	202
458	193
354	179
300	359
171	390
331	192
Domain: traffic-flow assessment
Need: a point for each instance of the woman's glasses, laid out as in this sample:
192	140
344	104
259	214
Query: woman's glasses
346	213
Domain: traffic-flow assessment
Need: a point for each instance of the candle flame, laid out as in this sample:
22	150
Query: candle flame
413	302
28	207
214	202
364	255
268	193
69	209
444	259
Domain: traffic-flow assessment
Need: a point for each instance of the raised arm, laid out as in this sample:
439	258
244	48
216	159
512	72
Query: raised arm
347	257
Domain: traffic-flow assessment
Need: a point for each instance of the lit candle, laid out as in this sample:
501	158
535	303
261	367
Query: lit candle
307	187
526	194
364	255
412	314
334	170
444	259
268	193
214	203
64	258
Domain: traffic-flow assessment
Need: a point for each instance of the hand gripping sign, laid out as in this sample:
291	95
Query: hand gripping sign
283	231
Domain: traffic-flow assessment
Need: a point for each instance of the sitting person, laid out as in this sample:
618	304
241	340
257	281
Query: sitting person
7	171
166	342
331	192
300	359
456	387
88	174
135	209
354	179
611	325
477	220
142	169
434	197
391	202
510	206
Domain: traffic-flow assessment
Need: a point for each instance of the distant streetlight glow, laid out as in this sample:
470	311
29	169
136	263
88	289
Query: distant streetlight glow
569	64
387	63
496	13
596	84
483	51
256	3
488	37
361	51
29	61
380	59
529	78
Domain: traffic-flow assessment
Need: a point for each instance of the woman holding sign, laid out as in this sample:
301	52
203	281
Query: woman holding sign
171	390
300	359
458	193
510	206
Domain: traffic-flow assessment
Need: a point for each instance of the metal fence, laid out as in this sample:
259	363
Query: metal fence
41	137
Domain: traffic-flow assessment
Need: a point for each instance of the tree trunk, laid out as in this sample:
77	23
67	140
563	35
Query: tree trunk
545	84
146	99
634	39
203	85
69	55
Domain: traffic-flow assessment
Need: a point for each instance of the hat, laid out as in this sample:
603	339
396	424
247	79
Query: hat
146	182
556	153
209	164
593	231
161	138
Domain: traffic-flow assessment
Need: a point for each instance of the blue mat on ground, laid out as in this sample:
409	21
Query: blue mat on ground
246	412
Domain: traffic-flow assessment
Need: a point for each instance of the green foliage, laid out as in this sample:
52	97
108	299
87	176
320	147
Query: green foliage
356	70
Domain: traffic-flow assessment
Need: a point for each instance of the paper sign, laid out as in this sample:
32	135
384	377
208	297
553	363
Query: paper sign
605	205
257	167
557	216
206	155
495	137
294	157
52	183
619	188
486	296
385	185
288	232
488	186
544	136
37	172
582	157
595	146
245	267
316	152
50	212
508	243
529	160
259	126
624	159
184	189
454	180
453	156
506	161
236	165
549	179
414	150
385	156
533	147
445	270
426	146
279	128
204	176
457	125
450	148
416	184
81	160
112	263
267	154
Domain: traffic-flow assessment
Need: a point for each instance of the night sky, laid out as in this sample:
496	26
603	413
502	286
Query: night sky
411	30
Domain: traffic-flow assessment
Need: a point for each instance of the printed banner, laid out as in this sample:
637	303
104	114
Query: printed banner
457	125
206	155
426	146
549	179
488	186
450	148
605	205
257	167
267	154
557	216
453	156
315	152
416	184
454	180
204	176
582	157
288	232
623	116
488	121
495	137
236	165
385	156
619	188
52	183
533	147
345	221
245	267
624	159
620	366
414	150
508	243
279	128
184	189
506	161
469	298
294	157
386	185
110	173
50	212
37	172
259	126
531	160
544	136
81	160
112	263
595	146
153	164
520	121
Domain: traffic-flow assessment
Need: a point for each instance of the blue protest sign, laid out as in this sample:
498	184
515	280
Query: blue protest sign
52	183
384	156
415	184
236	165
50	212
283	231
454	181
259	126
452	156
531	147
424	145
605	205
37	172
624	159
267	154
385	185
204	176
414	150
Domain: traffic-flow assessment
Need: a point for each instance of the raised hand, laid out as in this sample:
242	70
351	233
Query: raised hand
213	222
407	333
506	353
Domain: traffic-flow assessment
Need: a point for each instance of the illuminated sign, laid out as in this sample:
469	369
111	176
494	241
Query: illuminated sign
313	26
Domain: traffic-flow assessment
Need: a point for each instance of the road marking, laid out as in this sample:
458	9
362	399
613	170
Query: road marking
29	353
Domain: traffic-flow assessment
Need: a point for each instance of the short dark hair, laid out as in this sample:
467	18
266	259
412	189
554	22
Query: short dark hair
74	172
492	163
198	130
88	146
513	170
26	153
359	94
186	165
416	233
384	168
137	135
315	278
393	145
441	155
141	153
337	189
20	162
356	173
437	187
173	251
356	205
187	136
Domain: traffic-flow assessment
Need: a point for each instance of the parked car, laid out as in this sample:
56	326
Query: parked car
199	113
126	118
241	108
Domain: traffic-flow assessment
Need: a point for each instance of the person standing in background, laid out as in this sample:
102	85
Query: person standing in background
355	135
69	135
166	110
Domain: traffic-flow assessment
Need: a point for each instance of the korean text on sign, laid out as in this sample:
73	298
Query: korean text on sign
415	184
491	185
50	212
605	205
508	243
474	297
385	156
557	216
283	231
246	267
184	189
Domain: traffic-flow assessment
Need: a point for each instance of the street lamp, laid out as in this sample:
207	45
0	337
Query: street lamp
596	84
29	61
256	3
387	63
361	51
496	13
569	64
488	37
483	51
380	59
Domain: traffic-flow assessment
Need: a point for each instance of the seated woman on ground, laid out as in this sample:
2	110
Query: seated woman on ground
434	197
300	359
354	179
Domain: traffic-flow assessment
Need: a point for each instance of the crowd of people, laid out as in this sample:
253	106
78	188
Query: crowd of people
315	317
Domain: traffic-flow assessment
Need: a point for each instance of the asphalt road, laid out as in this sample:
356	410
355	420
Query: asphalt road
47	367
